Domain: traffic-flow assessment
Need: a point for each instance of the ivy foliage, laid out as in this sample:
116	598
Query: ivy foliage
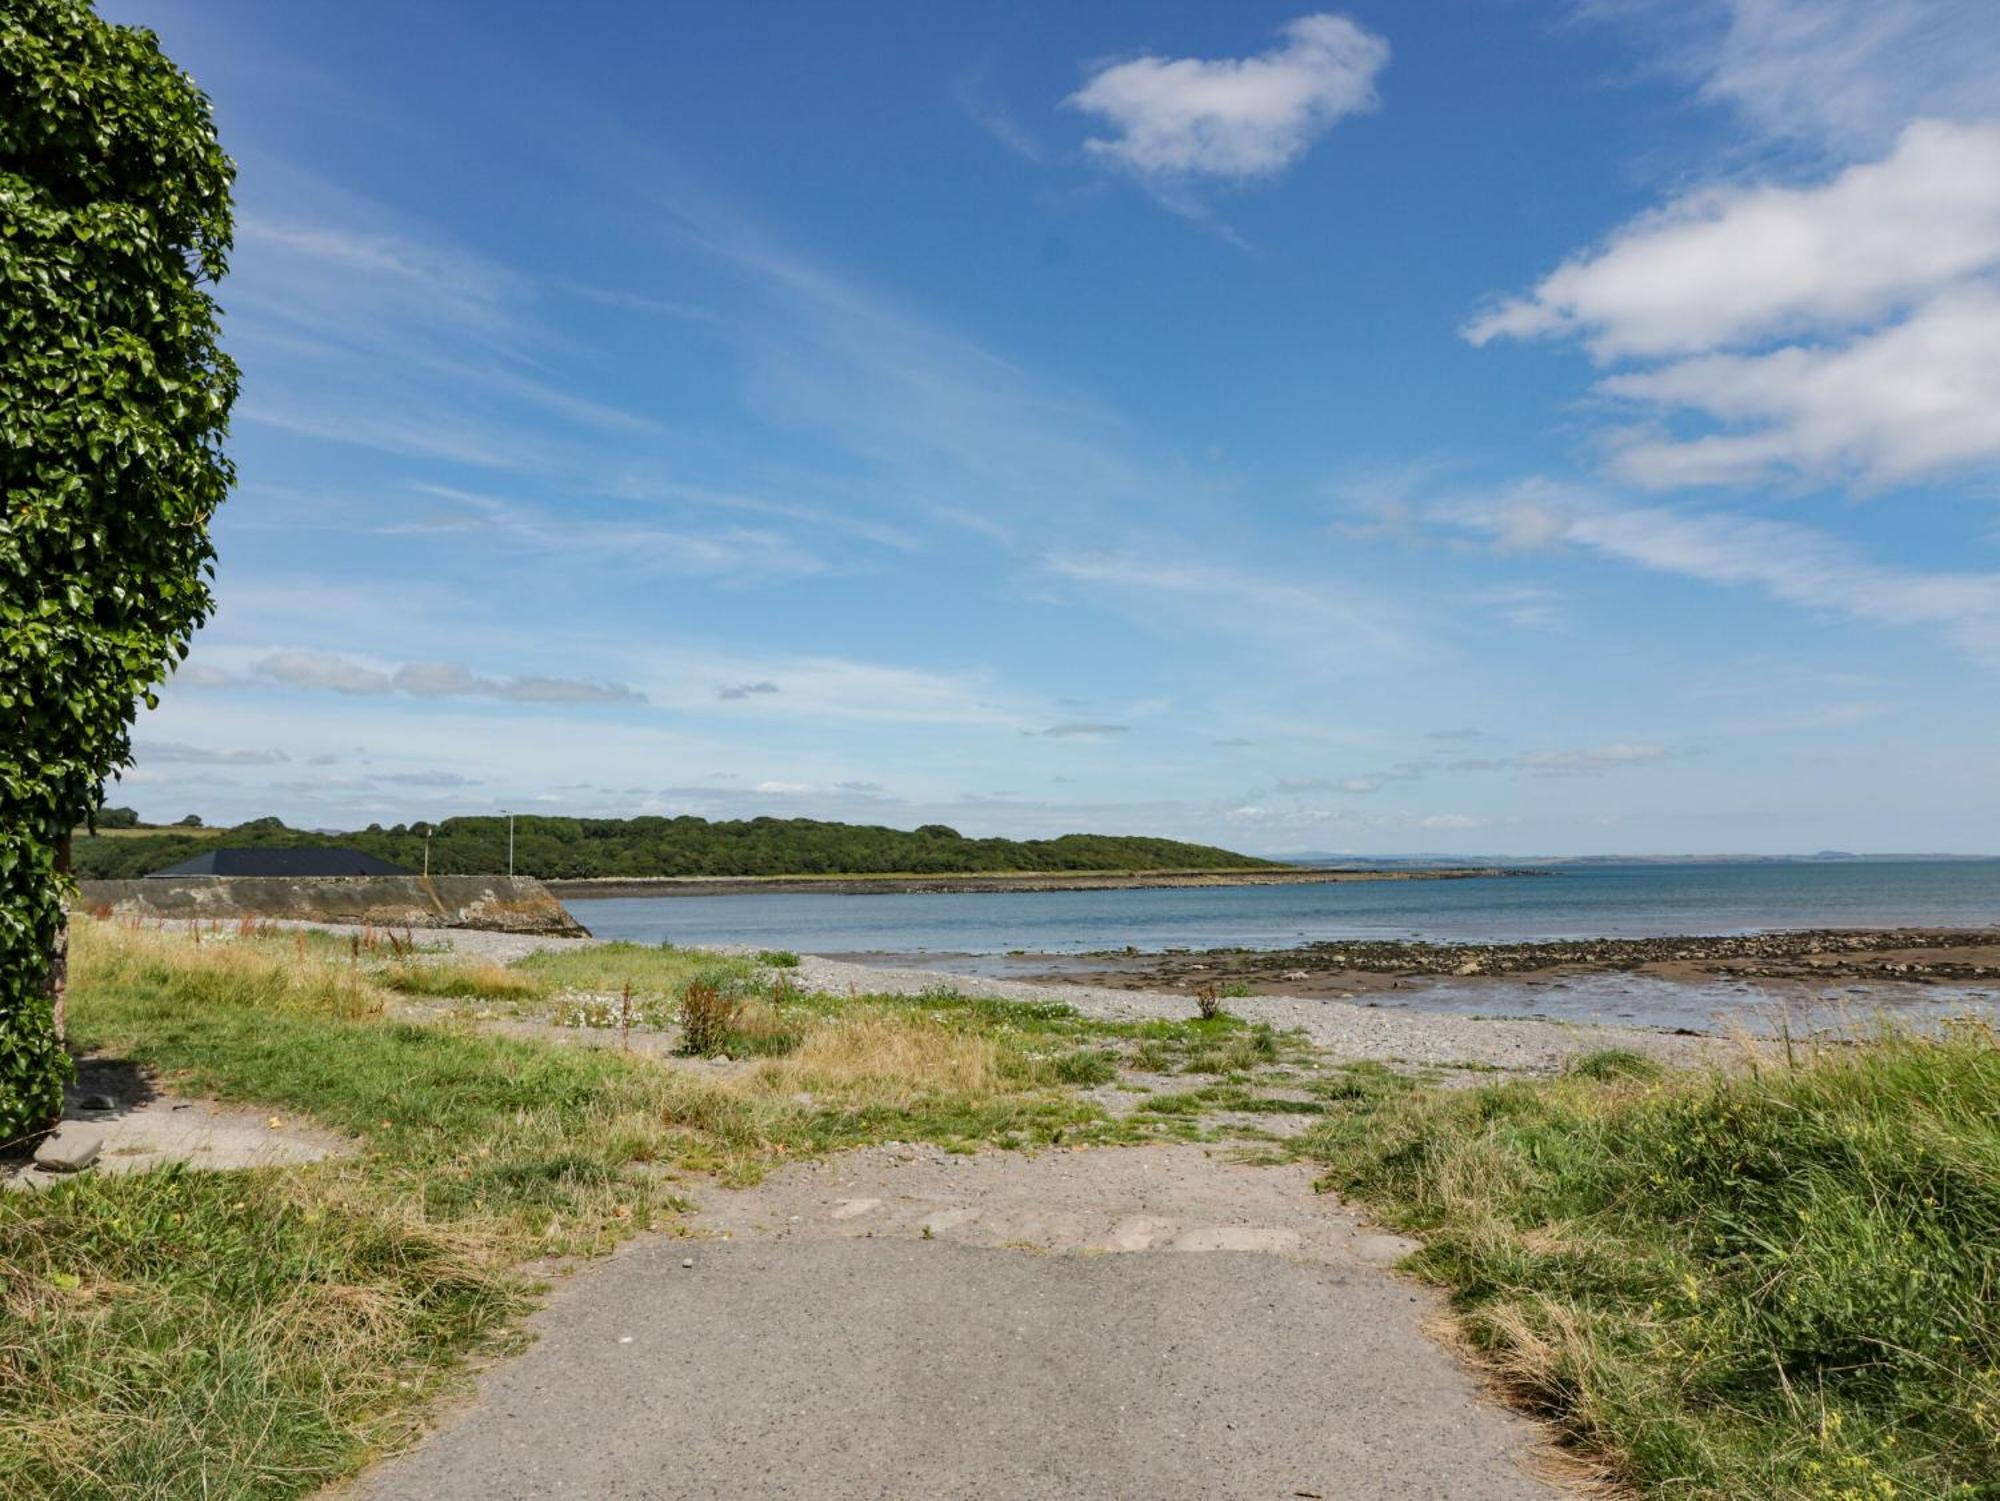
114	400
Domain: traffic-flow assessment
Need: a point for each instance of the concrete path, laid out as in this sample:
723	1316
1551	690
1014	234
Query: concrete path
899	1323
142	1126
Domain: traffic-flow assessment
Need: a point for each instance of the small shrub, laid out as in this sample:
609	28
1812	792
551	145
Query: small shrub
707	1017
1208	1003
1614	1063
778	959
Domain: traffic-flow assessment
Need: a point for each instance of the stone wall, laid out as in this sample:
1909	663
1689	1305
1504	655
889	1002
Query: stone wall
504	904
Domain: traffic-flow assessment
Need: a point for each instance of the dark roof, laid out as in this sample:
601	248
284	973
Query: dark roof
321	860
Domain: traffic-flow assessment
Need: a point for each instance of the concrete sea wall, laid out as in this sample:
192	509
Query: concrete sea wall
503	904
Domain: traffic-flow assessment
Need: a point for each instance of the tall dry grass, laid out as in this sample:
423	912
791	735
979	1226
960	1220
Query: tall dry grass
880	1059
249	969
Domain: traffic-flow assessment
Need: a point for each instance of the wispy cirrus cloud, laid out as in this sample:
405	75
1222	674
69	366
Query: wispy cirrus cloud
176	753
732	554
1788	561
1575	761
1341	625
1837	75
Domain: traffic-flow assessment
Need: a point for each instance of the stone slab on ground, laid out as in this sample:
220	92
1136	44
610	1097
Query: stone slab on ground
70	1148
1138	1322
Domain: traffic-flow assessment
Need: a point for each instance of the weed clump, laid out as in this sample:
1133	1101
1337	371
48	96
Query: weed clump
708	1018
1086	1067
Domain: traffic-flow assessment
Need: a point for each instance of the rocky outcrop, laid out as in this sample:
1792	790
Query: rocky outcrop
502	904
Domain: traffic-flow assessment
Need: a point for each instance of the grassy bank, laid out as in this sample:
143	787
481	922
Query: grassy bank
257	1333
1776	1283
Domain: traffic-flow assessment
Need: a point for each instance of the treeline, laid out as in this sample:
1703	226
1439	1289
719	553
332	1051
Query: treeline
579	848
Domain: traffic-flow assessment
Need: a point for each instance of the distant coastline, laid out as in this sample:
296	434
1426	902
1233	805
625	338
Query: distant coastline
1002	881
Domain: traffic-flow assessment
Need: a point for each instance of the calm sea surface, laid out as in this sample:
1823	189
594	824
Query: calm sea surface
1597	901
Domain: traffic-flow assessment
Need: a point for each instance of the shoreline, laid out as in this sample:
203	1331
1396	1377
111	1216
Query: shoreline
602	887
1780	961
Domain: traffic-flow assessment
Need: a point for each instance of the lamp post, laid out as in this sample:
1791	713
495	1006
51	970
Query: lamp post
427	851
510	846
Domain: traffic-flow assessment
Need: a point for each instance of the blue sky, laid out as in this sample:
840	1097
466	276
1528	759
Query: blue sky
1489	426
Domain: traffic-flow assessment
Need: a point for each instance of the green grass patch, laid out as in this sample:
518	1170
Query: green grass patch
654	971
1614	1063
1779	1283
262	1333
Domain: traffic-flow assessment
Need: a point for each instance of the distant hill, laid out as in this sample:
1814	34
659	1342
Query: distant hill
580	848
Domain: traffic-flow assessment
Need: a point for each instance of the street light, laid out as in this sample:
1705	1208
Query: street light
510	846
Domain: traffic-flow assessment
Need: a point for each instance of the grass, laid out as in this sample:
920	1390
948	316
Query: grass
1766	1283
653	971
1772	1282
261	1333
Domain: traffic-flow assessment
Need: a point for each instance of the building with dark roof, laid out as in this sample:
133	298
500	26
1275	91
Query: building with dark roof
311	860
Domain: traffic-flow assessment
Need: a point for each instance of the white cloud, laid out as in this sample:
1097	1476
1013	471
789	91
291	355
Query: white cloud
1887	268
1724	267
1917	398
1234	117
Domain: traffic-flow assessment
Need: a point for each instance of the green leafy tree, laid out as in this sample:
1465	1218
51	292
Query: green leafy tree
114	399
